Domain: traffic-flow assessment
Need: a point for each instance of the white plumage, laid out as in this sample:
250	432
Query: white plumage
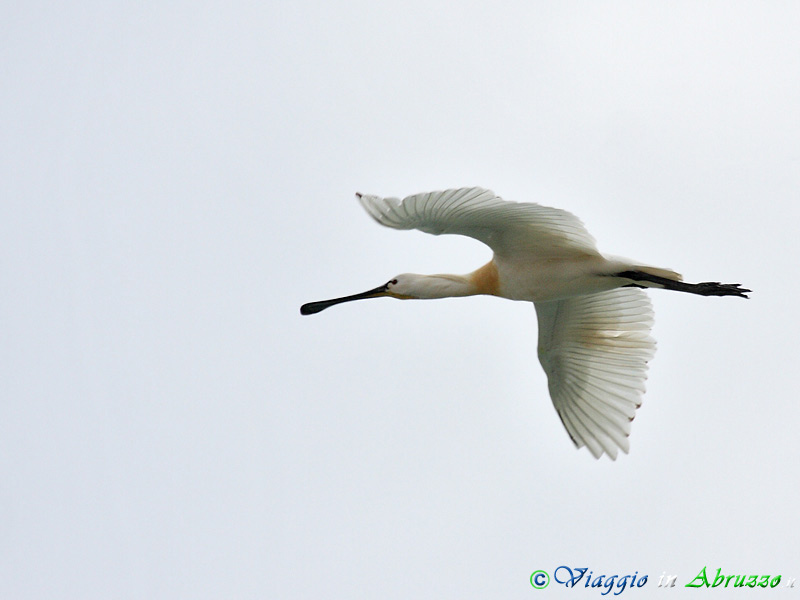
508	228
594	324
594	350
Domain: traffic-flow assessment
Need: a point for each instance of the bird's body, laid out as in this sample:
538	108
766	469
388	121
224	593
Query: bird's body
594	324
552	279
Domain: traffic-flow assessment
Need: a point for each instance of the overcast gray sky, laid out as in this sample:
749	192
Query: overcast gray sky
177	178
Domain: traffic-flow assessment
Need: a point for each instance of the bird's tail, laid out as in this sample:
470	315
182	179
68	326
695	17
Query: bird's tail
656	272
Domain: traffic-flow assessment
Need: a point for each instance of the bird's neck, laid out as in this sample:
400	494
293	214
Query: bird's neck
482	281
431	287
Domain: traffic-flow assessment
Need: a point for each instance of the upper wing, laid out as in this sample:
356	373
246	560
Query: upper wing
506	227
594	350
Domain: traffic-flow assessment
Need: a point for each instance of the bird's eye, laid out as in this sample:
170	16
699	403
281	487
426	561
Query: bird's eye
392	282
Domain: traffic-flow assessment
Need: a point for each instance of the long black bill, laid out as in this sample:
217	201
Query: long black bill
314	307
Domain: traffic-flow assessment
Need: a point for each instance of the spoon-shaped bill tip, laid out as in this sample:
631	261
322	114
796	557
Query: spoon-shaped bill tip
313	308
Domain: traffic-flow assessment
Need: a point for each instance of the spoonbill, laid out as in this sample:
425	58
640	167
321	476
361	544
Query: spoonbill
594	319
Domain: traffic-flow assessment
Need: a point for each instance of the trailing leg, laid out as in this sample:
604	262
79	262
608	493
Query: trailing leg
706	288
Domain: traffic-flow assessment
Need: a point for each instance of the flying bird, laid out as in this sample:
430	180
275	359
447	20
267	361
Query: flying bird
594	319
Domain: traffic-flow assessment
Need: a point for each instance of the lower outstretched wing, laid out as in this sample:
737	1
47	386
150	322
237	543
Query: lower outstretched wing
595	350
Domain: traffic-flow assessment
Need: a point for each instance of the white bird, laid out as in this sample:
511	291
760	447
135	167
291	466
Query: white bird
594	321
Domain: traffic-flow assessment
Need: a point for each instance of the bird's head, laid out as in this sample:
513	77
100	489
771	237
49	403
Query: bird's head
407	286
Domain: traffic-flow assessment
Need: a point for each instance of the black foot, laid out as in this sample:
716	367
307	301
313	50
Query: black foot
715	288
